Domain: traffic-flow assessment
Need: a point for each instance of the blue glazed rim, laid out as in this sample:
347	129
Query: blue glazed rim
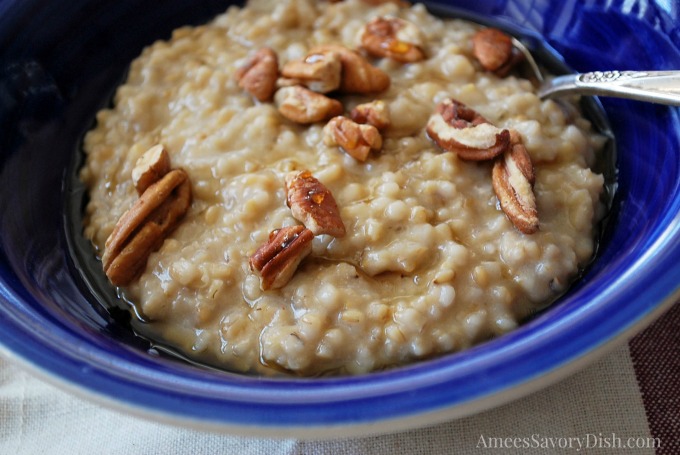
638	276
420	394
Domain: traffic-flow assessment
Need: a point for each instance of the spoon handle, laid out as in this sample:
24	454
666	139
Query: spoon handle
653	86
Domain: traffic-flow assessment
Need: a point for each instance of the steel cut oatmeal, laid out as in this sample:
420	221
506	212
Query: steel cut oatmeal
336	188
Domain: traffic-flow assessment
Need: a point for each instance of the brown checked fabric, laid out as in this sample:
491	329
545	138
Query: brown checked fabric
656	358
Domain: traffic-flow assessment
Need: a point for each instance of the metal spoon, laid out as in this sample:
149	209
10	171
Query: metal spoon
652	86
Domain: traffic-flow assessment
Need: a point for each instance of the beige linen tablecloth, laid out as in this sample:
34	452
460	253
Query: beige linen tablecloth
626	402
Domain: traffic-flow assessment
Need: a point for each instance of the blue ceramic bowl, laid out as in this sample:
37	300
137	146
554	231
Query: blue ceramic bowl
59	63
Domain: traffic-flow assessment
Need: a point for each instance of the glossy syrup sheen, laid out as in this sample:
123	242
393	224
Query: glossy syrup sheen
112	300
59	62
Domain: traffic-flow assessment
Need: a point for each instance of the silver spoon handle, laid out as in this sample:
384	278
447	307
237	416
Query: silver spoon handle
652	86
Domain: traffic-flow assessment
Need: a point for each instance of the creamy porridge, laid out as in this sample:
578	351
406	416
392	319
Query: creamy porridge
427	260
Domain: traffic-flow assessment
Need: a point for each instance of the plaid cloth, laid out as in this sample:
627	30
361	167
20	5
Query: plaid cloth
627	402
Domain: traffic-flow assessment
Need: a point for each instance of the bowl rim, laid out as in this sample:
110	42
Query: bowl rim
93	373
273	408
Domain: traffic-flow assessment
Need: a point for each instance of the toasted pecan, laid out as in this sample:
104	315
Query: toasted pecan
302	105
513	180
259	74
313	204
277	260
319	71
457	128
358	75
495	52
373	113
355	139
150	168
394	38
143	228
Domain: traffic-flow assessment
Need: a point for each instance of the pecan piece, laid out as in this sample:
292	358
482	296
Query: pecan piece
358	75
278	259
456	128
393	38
494	51
313	204
258	75
513	181
319	72
302	105
374	113
143	228
355	139
150	168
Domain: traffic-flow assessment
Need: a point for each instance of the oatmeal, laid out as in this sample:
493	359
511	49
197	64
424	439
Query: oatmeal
423	253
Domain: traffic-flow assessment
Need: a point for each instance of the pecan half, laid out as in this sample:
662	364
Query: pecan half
143	228
393	38
355	139
513	181
374	113
313	204
150	168
358	75
494	51
302	105
278	259
319	72
258	75
456	128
